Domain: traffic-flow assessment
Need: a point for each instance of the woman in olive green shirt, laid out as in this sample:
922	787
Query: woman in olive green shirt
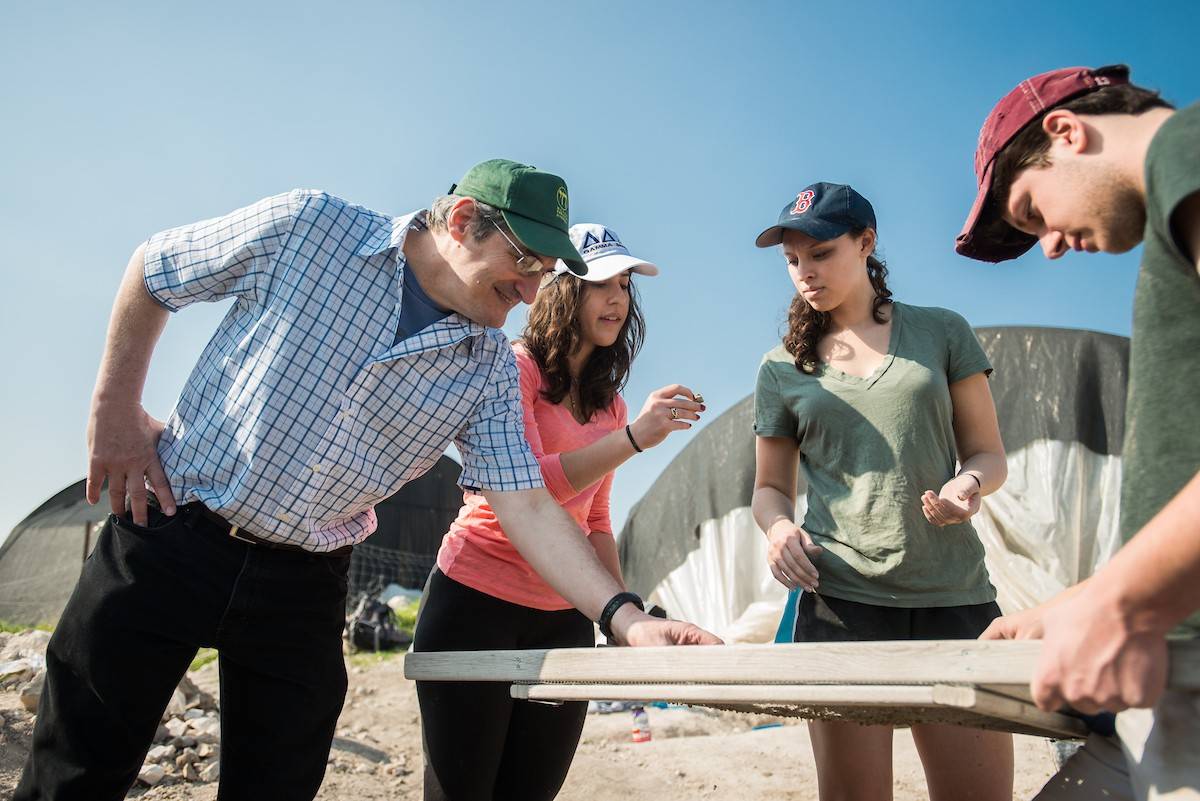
878	402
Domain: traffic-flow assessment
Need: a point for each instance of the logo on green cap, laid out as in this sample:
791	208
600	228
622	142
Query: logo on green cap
561	211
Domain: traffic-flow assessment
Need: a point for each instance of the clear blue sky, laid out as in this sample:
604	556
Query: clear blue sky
685	126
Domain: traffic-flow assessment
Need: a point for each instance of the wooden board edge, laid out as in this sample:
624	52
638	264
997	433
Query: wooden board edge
906	662
993	705
795	694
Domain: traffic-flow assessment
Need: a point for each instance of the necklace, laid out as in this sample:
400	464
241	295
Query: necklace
571	400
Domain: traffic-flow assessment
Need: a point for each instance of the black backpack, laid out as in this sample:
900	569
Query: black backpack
372	626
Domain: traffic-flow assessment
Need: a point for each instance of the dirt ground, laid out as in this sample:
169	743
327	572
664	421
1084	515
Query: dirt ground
694	753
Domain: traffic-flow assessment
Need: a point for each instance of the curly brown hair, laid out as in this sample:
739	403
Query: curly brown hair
553	333
806	325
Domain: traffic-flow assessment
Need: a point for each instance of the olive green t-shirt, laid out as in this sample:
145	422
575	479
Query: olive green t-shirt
1162	416
869	447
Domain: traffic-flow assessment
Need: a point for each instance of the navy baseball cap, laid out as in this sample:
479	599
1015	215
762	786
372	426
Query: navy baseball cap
823	211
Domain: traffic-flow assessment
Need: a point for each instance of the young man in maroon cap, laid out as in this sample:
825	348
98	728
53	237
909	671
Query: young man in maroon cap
1082	159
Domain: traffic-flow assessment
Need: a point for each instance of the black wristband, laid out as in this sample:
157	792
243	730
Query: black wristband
972	475
632	441
610	609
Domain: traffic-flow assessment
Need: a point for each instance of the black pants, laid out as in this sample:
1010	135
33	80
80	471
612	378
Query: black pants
147	599
480	744
823	618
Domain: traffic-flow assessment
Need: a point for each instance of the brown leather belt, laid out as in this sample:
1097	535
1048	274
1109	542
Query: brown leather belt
238	533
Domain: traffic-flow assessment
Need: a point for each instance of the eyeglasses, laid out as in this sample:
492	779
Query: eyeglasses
526	262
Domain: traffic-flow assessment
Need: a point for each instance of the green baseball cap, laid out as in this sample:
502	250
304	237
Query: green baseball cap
533	203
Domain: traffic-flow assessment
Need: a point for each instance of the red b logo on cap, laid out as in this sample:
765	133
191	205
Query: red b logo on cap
803	201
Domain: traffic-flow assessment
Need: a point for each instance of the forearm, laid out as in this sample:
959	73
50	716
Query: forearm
990	469
1155	579
136	323
769	506
585	466
552	543
605	546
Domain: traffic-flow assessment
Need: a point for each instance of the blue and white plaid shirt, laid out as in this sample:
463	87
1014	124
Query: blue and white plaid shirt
303	412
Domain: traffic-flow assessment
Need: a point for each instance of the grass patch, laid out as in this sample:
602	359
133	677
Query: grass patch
16	628
203	657
406	616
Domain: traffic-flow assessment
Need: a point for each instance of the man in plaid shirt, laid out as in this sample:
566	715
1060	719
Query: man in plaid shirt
359	346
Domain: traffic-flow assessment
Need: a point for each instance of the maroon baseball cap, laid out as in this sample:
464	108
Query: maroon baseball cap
987	237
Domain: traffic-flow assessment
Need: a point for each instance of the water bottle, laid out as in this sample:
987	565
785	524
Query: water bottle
641	725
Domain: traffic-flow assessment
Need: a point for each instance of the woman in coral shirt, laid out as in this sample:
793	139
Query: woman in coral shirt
573	358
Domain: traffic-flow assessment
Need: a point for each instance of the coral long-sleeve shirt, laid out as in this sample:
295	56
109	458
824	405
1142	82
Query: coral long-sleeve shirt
475	551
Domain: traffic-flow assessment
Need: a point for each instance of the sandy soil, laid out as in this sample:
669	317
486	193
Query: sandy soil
694	754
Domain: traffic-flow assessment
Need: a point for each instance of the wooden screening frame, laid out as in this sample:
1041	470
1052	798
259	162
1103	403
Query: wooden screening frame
965	682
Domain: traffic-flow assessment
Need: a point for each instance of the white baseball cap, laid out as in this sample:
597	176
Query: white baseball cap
604	254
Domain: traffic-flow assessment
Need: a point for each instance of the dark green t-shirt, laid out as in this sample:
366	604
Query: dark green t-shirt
869	447
1162	418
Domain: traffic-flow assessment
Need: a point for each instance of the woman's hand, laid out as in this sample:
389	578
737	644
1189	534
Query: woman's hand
790	551
957	502
656	419
1024	625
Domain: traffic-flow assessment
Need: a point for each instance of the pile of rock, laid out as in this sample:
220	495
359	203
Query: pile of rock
187	745
23	665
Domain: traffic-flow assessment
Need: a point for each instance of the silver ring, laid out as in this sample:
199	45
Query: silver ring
674	413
